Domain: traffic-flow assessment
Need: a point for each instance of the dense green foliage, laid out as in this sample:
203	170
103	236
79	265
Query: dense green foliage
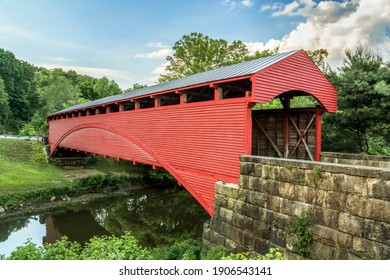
20	87
301	234
362	122
195	53
28	93
126	247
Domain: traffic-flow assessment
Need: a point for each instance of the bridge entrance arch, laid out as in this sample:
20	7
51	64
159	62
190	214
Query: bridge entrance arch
288	130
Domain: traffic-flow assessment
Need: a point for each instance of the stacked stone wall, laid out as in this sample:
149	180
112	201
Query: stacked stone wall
356	159
349	209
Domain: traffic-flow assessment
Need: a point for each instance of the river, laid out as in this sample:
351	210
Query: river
156	217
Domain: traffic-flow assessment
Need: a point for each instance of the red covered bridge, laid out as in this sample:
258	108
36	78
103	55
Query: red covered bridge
197	127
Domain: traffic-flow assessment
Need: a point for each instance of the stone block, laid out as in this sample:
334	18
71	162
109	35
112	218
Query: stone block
287	207
336	201
247	168
230	203
231	245
243	222
339	182
374	209
230	190
262	230
357	185
324	182
230	232
274	203
256	185
278	237
247	240
321	198
250	210
249	196
244	181
260	199
270	187
345	255
226	215
289	191
320	251
266	171
331	237
351	224
216	238
258	169
386	253
299	208
280	221
291	174
377	231
366	249
262	246
215	223
310	195
379	188
220	200
325	217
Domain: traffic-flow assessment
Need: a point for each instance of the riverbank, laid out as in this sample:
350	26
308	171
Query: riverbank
28	183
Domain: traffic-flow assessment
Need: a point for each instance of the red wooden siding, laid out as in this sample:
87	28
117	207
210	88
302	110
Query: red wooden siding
296	72
199	143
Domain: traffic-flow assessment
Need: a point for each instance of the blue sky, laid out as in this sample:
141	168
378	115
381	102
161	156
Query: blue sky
127	41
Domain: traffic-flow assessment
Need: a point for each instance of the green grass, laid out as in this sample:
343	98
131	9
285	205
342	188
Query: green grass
22	168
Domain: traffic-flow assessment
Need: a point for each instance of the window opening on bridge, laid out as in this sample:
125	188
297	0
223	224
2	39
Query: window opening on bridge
100	110
168	99
128	105
112	108
145	102
200	94
91	111
235	89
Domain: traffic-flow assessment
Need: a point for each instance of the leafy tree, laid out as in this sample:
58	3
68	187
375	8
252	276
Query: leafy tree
104	87
134	87
318	57
4	105
363	116
57	95
195	53
19	84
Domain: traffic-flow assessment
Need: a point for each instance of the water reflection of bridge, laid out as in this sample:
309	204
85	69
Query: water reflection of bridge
80	229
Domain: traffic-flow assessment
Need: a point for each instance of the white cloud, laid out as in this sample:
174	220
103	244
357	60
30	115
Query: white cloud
260	46
335	26
288	9
233	4
247	3
163	53
274	6
157	45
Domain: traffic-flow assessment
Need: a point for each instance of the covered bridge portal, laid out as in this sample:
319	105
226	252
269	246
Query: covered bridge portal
197	127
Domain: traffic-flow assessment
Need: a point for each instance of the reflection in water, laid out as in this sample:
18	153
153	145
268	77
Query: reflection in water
156	217
80	229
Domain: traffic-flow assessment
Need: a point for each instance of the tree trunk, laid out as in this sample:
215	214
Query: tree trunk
363	143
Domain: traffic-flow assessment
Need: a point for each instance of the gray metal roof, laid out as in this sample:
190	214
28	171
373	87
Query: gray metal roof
228	72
